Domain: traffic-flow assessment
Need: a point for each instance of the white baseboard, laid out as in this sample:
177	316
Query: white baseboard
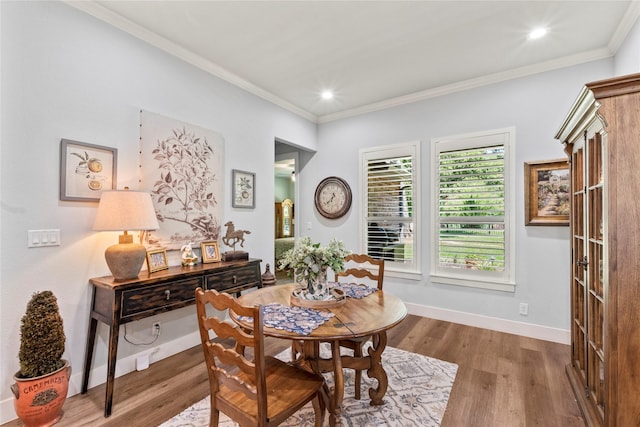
530	330
125	365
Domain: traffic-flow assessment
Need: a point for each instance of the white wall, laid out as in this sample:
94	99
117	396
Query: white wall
627	59
535	106
67	75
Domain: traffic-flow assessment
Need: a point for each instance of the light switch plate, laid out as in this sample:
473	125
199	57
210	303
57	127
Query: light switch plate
42	238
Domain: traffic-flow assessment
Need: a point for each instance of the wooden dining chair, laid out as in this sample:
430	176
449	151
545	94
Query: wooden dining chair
360	268
253	391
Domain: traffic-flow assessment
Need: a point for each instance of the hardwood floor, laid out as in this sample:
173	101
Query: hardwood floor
502	380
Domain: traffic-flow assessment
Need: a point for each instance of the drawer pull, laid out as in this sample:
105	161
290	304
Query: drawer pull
167	294
235	279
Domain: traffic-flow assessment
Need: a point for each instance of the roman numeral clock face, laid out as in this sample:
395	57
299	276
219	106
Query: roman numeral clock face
333	197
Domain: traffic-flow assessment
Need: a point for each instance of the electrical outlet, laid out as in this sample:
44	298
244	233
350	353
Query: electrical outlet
142	362
155	329
524	309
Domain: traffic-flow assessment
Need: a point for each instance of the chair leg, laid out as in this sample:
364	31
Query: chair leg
357	352
215	414
319	409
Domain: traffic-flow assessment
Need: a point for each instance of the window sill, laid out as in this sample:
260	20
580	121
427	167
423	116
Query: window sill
502	286
402	274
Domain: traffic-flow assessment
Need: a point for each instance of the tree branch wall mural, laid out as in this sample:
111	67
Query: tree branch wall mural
181	165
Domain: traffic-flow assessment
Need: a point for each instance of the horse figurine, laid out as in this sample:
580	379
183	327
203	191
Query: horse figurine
234	236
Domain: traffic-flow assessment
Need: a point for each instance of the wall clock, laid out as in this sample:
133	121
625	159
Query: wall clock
333	197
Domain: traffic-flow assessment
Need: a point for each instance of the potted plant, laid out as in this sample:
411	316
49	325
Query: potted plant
42	382
308	262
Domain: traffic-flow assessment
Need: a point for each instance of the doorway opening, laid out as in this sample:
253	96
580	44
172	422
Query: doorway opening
285	190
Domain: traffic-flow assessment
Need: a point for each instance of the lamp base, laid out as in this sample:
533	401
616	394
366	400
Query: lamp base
125	260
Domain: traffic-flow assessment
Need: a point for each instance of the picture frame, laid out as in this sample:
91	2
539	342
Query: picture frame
157	260
547	192
243	190
210	252
86	170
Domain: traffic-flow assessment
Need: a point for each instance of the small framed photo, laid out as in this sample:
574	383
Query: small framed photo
243	189
210	252
86	170
547	192
157	260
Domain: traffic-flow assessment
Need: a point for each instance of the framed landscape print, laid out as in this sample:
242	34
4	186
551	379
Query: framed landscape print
547	187
86	170
244	189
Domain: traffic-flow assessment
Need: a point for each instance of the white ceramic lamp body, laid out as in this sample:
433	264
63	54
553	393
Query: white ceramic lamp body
122	211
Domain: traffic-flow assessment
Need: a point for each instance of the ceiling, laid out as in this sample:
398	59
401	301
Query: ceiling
372	54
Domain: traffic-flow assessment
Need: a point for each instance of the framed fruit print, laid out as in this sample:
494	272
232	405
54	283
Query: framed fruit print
86	170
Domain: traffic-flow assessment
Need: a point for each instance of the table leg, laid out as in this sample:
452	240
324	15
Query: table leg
338	379
88	354
376	370
114	331
310	359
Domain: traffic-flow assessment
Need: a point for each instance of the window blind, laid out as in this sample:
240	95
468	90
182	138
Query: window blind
390	225
471	208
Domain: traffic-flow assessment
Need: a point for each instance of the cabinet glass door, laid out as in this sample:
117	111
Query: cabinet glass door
578	288
596	270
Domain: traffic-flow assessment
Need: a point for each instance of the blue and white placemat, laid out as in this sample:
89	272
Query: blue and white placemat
300	320
354	290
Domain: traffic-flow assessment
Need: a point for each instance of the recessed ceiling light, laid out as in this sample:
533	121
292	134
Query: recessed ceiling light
537	33
327	94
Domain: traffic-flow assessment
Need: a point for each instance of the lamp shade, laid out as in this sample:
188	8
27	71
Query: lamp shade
121	210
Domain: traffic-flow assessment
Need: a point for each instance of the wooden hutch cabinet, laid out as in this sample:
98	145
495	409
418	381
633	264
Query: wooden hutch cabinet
602	138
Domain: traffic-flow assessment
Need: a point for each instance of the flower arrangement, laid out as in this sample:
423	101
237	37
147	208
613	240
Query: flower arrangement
308	261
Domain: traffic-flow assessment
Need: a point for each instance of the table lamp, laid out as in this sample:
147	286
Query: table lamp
124	210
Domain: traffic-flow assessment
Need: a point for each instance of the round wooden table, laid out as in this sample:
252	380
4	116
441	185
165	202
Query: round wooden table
372	316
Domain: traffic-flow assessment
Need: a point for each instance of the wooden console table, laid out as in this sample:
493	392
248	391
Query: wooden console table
116	303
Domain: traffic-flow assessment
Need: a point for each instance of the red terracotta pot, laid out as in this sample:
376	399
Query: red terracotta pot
38	401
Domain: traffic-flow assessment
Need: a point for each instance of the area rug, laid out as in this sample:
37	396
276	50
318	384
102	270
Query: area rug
419	388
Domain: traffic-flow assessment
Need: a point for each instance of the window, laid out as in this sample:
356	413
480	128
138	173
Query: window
472	205
391	206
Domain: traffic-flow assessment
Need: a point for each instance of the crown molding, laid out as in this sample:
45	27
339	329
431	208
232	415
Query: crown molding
471	84
628	21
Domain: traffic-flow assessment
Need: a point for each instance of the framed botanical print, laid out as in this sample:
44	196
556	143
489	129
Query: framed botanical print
243	191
